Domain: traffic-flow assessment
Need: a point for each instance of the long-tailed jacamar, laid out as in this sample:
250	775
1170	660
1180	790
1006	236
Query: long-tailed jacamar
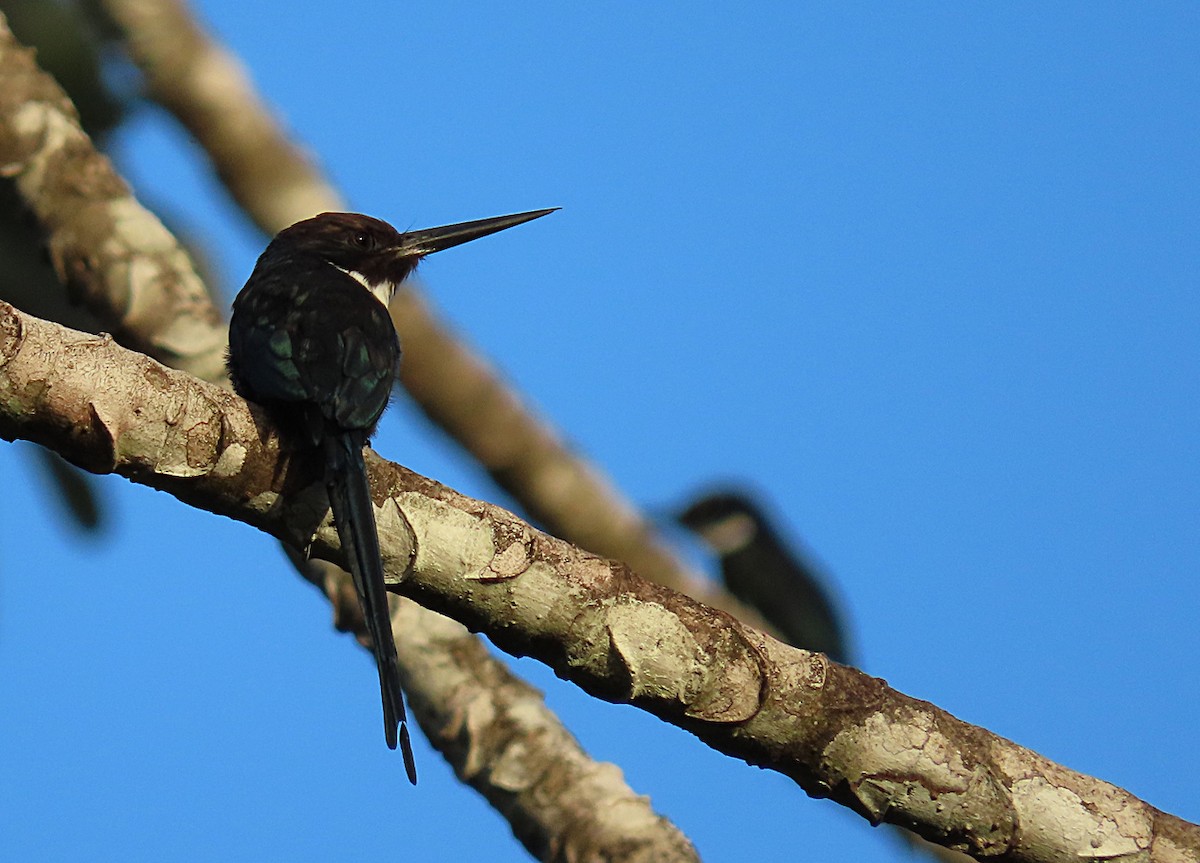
311	341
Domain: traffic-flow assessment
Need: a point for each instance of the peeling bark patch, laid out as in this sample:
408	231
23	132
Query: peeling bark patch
908	772
465	545
662	658
230	461
202	435
665	661
514	769
815	672
510	562
1061	824
793	681
395	532
156	376
187	441
512	542
731	693
737	670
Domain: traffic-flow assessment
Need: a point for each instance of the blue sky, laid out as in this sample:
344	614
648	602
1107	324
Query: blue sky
926	277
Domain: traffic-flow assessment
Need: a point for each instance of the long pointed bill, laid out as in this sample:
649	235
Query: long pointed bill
430	240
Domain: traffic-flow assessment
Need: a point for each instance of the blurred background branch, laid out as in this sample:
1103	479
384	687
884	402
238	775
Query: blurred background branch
276	184
921	279
76	221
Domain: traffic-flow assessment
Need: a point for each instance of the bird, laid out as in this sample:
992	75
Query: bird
763	572
311	341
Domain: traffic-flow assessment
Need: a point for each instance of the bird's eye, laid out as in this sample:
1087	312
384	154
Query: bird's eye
364	240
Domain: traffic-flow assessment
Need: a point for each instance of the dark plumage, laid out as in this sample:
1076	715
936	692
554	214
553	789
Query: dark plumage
311	340
761	571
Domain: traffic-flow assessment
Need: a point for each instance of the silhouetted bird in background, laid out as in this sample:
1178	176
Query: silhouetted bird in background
311	341
785	588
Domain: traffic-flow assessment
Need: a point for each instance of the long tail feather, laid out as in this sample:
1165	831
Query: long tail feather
354	515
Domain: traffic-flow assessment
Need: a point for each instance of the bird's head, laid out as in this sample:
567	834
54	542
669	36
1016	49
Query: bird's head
726	520
375	253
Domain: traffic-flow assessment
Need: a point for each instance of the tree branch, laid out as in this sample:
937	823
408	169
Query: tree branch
277	184
497	733
836	731
110	252
141	282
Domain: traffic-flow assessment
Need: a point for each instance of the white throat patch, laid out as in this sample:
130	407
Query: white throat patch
382	291
730	534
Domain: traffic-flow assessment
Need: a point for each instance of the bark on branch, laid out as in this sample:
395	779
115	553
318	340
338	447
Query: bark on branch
139	280
111	253
837	732
497	733
277	183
